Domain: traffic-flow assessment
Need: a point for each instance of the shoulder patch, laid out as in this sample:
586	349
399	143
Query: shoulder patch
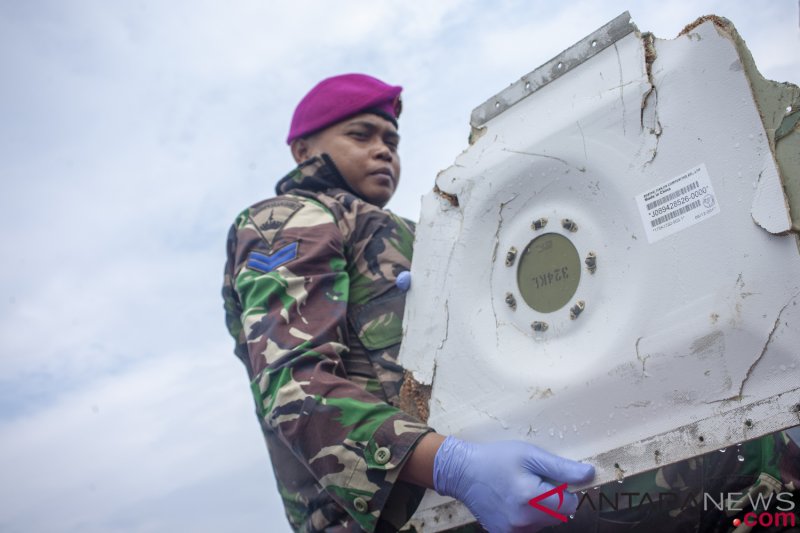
268	262
273	215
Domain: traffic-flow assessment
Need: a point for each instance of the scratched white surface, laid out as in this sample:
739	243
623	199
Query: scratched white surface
691	336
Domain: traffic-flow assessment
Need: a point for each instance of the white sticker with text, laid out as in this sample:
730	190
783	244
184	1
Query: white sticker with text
677	204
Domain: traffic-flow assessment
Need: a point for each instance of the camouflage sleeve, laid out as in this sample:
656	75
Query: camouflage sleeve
286	292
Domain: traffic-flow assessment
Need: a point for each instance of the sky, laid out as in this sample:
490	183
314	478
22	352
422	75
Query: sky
131	134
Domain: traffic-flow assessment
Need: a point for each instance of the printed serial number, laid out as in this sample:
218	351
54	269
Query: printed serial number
699	193
676	213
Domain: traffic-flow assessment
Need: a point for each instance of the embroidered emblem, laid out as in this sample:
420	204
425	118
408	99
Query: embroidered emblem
268	262
271	224
273	215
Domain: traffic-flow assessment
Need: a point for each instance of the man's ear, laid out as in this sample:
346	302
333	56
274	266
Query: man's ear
301	150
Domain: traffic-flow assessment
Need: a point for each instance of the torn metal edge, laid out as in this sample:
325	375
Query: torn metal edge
441	517
415	397
567	60
452	199
778	104
777	412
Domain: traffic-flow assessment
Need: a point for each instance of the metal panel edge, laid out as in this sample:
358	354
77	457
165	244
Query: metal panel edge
567	60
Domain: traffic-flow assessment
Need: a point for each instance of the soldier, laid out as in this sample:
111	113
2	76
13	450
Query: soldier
312	300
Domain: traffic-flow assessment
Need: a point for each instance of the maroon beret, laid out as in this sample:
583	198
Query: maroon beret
337	98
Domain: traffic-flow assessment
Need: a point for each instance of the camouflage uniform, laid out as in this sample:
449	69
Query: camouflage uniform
310	298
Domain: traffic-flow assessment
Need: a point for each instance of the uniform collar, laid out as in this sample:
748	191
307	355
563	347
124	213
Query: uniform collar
316	174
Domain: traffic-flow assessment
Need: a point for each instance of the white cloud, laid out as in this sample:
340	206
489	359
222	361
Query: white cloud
159	428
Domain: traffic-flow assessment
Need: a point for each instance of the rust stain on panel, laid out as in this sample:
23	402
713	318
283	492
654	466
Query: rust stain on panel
415	397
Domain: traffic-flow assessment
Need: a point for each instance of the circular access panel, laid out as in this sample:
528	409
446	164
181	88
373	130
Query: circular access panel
548	273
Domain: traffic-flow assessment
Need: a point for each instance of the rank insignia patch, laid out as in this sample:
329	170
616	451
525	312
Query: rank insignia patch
268	262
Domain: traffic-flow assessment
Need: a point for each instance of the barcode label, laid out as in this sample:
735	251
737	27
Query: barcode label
673	214
672	196
677	204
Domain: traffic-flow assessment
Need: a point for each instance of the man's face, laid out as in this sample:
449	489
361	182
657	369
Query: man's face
364	149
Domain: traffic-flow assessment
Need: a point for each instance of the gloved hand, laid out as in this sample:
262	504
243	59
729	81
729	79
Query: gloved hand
403	280
497	480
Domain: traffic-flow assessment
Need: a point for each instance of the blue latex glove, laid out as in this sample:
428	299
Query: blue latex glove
496	481
403	280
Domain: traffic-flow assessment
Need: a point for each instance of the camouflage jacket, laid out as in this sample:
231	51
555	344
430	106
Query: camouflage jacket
310	299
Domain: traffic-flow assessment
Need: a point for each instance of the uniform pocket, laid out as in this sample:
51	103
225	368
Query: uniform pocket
379	322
